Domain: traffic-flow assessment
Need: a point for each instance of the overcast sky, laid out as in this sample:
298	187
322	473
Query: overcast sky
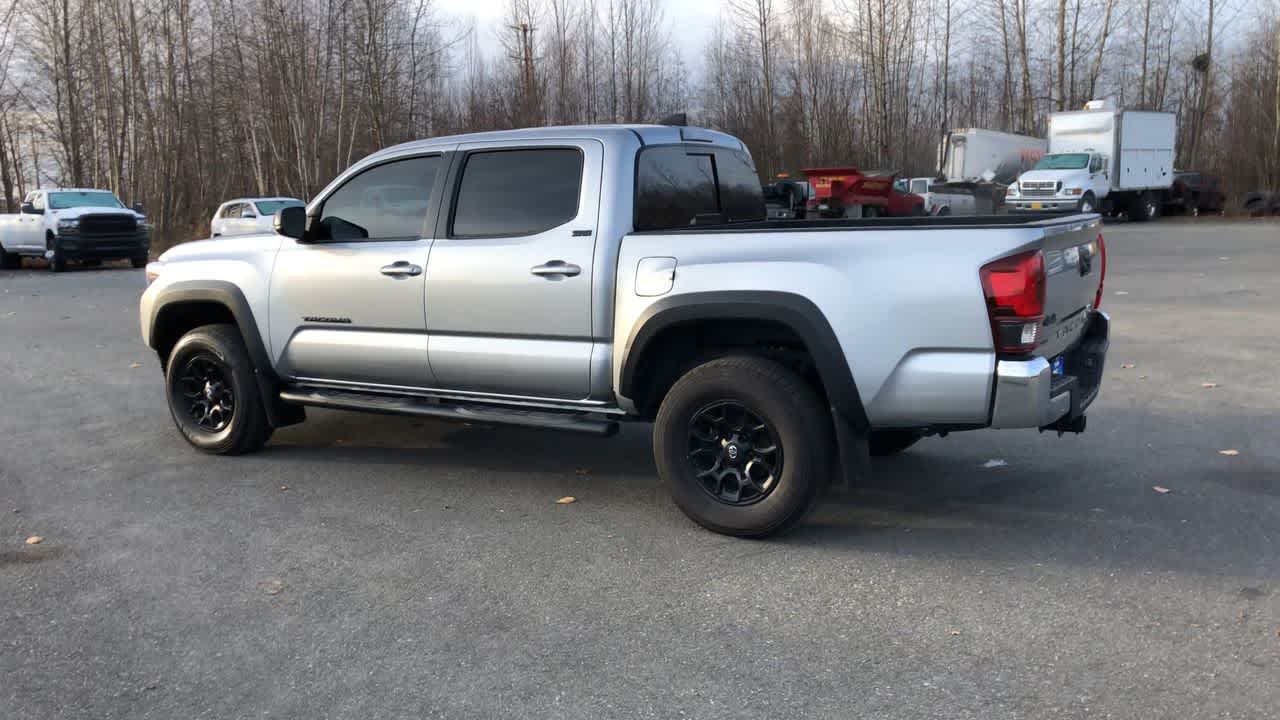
690	21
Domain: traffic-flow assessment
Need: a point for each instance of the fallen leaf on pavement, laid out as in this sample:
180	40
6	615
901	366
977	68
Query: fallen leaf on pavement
994	463
567	499
1229	453
283	488
955	632
1122	292
1159	489
35	540
1208	385
271	586
1126	366
1142	377
135	365
584	471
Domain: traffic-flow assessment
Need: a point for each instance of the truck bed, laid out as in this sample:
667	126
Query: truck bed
884	223
904	296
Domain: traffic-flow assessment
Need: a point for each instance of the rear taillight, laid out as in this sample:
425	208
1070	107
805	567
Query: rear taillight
1102	277
1014	287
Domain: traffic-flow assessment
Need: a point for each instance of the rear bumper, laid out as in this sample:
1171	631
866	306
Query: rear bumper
1029	395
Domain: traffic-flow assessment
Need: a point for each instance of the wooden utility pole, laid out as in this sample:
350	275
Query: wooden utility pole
524	39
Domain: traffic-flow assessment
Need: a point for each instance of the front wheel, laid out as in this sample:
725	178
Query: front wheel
53	253
743	445
1088	204
213	396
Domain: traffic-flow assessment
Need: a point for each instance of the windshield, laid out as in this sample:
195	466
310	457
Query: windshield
1067	161
269	207
83	198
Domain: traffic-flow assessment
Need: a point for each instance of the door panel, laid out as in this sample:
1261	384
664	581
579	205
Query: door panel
347	305
509	311
335	316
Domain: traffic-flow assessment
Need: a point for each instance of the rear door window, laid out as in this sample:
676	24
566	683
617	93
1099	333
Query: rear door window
509	193
679	185
385	202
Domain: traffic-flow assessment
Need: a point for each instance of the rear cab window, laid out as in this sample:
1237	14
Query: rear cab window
517	192
678	186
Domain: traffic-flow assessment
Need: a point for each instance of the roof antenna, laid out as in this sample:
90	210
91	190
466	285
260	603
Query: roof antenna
675	119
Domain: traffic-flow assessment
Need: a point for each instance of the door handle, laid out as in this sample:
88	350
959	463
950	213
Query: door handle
401	268
556	267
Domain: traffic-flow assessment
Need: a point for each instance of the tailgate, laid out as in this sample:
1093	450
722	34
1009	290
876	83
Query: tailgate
1073	264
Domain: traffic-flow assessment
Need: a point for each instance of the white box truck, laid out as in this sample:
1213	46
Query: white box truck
1101	160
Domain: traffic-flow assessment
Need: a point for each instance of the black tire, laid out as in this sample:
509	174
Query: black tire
216	356
944	211
1088	203
57	262
891	442
1144	208
870	211
789	416
10	261
139	261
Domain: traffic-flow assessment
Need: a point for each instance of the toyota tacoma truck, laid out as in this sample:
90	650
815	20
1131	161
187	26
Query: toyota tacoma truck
576	278
62	224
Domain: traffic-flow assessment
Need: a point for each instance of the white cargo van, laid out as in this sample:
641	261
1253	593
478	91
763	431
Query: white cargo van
1101	160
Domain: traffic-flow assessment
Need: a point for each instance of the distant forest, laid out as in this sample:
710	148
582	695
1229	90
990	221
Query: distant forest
180	104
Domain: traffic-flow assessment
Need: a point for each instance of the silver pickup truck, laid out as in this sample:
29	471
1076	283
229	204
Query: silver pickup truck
578	277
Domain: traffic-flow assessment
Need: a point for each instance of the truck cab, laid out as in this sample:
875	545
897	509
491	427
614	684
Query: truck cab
1075	181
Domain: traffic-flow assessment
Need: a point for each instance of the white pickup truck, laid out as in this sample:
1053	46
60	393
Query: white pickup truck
62	224
578	277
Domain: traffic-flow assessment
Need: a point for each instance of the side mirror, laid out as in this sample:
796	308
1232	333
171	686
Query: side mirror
137	207
30	209
291	221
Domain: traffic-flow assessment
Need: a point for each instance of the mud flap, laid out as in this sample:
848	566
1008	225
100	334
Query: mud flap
853	456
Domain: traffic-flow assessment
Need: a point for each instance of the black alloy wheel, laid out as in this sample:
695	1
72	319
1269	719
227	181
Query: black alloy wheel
734	454
204	391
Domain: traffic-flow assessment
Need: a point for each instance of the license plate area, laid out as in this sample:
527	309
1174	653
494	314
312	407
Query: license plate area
1059	365
1037	206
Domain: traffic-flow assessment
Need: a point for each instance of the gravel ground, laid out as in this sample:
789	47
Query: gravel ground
376	567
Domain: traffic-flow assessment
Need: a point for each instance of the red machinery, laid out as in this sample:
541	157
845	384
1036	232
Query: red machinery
848	192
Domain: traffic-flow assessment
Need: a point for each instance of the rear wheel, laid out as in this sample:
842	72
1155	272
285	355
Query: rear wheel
10	261
213	396
743	445
1144	207
891	442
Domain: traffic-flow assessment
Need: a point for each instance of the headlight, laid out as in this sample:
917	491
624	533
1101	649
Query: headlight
68	224
1073	191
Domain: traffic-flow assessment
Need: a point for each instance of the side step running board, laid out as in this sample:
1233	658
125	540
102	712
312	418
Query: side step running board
394	405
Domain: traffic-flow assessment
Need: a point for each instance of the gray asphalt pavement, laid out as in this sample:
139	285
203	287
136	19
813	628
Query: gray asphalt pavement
424	569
